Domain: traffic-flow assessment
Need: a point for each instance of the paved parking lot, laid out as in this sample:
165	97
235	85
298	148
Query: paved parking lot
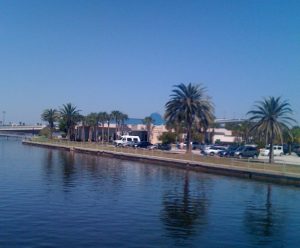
285	159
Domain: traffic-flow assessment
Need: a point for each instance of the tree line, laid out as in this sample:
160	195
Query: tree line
191	111
69	115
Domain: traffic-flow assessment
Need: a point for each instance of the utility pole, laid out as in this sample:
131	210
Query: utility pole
3	120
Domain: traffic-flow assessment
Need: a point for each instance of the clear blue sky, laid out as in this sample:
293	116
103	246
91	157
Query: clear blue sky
127	55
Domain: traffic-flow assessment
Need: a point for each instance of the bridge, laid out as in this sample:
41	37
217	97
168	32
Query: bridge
20	130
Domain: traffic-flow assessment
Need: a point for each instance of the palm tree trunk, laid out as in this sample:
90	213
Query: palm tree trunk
96	133
90	133
102	138
271	154
51	132
189	134
82	134
108	132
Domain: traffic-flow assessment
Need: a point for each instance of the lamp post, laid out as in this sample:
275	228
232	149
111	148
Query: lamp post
3	115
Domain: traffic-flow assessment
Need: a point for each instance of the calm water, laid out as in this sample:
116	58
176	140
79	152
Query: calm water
51	198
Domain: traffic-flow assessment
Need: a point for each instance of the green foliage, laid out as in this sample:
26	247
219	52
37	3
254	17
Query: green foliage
295	132
148	121
92	119
46	132
270	118
167	138
188	106
69	116
50	116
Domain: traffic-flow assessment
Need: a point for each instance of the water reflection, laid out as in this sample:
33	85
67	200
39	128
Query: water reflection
66	162
183	212
99	174
262	221
48	161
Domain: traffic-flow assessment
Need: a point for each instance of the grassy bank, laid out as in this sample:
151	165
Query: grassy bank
247	164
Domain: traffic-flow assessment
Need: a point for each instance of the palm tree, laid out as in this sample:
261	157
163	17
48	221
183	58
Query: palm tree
270	117
148	121
70	115
103	117
83	120
124	117
92	120
108	120
51	116
189	105
116	116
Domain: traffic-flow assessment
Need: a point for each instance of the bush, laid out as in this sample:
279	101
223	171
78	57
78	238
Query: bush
45	132
167	138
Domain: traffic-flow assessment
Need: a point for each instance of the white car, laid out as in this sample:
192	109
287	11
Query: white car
277	151
213	150
127	139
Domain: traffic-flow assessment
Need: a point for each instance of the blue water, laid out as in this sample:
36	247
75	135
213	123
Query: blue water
52	198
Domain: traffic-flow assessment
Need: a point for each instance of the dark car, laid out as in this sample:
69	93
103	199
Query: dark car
196	145
229	152
165	147
143	144
246	152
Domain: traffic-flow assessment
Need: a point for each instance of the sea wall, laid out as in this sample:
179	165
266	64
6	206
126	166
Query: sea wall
249	173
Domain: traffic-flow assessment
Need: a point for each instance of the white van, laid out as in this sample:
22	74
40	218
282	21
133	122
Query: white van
277	151
125	139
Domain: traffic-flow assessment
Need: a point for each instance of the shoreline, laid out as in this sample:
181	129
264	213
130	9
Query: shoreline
212	168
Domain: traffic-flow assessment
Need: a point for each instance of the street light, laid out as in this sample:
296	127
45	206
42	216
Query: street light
3	120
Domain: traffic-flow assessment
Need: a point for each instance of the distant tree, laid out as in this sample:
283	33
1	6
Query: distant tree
148	121
70	115
188	104
295	132
124	117
103	117
291	137
50	116
92	120
270	118
240	129
167	137
108	120
46	131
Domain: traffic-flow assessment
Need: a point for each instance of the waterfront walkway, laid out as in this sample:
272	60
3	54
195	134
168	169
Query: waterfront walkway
249	168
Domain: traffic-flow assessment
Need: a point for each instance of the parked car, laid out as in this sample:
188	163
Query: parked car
213	150
296	148
246	152
229	152
143	144
128	144
196	145
164	147
125	139
277	151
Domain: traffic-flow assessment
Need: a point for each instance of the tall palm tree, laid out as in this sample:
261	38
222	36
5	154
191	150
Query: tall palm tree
270	117
108	120
51	116
103	117
124	117
92	120
83	120
189	105
70	115
116	115
148	121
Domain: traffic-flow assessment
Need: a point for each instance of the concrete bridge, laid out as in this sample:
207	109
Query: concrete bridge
20	130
